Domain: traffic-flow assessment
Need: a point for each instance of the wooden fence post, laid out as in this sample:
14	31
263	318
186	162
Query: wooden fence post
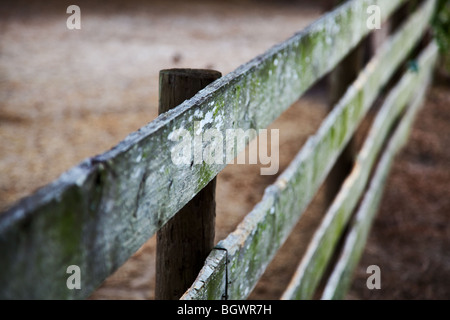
185	241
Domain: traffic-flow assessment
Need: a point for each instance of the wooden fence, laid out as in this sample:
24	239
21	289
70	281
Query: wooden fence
99	213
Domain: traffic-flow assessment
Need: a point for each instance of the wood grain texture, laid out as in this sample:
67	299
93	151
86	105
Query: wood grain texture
326	238
255	241
99	213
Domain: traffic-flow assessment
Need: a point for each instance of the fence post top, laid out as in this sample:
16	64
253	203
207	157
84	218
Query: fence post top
192	73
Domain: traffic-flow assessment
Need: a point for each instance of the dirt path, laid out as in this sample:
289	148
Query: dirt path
68	95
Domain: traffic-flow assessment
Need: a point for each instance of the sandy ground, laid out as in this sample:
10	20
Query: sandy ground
67	95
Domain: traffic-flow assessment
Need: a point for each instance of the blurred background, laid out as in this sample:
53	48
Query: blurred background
66	95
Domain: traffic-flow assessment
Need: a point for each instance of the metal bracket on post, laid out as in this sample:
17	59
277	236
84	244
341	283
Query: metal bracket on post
225	295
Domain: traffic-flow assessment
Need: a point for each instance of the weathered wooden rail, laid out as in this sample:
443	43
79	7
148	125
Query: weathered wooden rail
100	212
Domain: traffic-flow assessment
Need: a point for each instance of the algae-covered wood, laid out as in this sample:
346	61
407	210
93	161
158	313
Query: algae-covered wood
341	276
326	238
100	212
255	241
